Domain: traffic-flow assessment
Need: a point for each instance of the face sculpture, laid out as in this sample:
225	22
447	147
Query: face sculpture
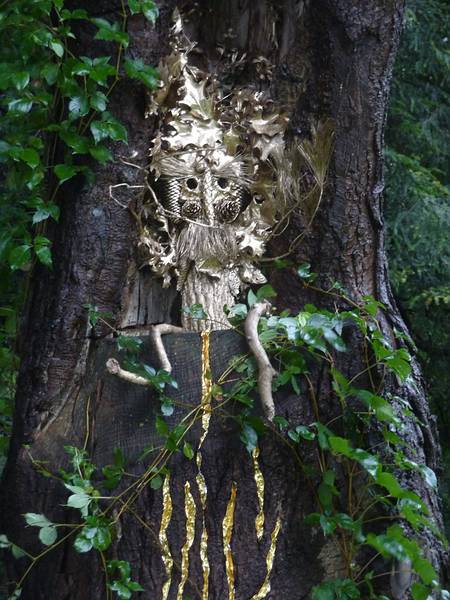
204	194
213	190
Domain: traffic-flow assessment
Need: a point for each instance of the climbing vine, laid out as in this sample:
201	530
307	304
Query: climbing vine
356	485
55	122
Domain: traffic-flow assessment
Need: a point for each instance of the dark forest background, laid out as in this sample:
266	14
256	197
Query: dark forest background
417	202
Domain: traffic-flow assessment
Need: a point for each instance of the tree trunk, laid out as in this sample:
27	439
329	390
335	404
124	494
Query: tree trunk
333	60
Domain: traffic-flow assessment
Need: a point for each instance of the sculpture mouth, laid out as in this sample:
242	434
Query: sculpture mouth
197	243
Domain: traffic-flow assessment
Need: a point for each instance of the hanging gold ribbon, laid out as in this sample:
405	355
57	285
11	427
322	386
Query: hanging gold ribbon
259	482
190	512
165	520
265	588
227	532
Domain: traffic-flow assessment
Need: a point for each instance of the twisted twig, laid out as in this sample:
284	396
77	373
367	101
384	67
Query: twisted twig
265	369
156	333
114	368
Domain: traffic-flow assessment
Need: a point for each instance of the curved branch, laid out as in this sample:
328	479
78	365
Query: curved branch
156	333
265	370
113	367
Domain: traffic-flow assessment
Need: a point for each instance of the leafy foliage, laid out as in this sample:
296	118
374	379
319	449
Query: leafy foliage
54	118
418	199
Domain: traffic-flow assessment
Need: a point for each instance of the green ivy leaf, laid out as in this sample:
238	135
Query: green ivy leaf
429	476
48	535
82	544
281	422
137	69
336	589
196	311
78	106
127	342
122	590
420	592
108	127
304	272
265	291
147	7
20	79
249	437
188	450
79	143
301	431
167	408
78	13
42	249
101	70
98	101
65	172
110	32
30	157
50	73
57	47
161	427
390	482
100	153
425	570
327	524
37	520
156	482
20	257
20	105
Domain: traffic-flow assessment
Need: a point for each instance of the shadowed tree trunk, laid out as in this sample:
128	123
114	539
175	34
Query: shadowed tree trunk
333	60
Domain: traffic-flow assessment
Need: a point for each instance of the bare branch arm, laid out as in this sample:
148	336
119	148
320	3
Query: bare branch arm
156	332
114	368
265	369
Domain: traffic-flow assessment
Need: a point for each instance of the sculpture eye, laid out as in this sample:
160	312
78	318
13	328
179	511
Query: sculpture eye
223	182
192	183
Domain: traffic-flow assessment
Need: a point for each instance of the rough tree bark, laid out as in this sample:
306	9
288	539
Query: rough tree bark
333	59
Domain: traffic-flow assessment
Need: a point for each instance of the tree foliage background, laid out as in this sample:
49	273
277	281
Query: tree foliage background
417	205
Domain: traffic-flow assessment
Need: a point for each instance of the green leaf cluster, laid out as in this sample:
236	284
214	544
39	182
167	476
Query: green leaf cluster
417	205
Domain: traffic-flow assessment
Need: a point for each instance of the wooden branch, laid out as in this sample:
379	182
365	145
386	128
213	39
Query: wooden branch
114	368
265	369
400	579
156	332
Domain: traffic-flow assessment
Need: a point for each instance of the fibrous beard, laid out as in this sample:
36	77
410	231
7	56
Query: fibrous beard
199	243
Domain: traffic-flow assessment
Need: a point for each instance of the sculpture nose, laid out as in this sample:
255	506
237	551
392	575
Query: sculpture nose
208	198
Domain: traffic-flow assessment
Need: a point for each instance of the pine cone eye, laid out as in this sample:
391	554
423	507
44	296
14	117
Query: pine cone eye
191	209
228	210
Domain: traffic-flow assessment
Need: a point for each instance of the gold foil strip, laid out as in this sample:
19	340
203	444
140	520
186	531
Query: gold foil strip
227	531
165	520
206	386
265	588
204	538
189	510
259	481
203	490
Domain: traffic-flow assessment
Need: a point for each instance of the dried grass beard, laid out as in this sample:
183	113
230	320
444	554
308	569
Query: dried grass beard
198	243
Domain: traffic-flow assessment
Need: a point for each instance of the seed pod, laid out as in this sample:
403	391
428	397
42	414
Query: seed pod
169	196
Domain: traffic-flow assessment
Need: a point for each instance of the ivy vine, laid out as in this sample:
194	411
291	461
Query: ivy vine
54	115
375	492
